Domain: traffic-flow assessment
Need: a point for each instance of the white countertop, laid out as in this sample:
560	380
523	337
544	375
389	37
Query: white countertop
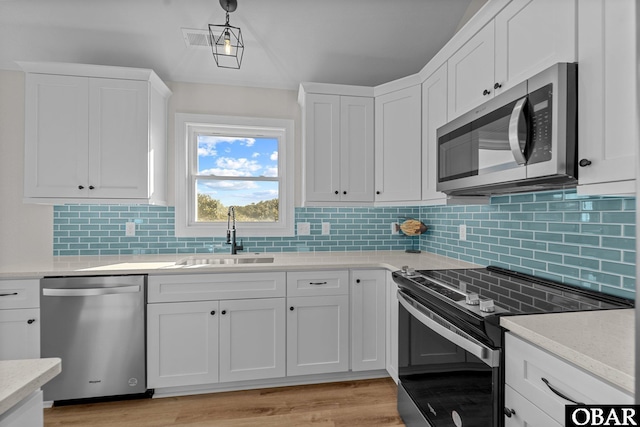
600	342
20	378
163	264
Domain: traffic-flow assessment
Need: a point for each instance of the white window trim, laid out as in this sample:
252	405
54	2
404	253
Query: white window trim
185	125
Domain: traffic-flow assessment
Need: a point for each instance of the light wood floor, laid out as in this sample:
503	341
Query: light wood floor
349	403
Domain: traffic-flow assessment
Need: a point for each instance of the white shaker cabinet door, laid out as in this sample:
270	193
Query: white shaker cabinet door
20	334
608	95
356	149
322	147
119	138
471	73
524	46
434	115
252	339
317	334
368	320
56	151
182	344
398	145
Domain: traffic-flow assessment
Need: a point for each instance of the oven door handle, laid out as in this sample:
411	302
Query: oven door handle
487	355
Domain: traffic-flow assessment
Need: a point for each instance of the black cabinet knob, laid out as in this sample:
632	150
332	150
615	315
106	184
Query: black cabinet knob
291	308
509	412
30	321
80	187
377	192
357	280
213	312
91	187
344	192
497	86
486	92
337	192
224	312
584	162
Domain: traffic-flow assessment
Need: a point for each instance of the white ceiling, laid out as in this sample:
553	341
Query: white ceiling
358	42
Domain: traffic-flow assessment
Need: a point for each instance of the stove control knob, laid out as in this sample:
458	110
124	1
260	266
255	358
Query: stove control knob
411	271
472	298
405	268
487	306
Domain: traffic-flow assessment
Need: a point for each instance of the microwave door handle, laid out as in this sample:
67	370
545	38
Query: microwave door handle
514	122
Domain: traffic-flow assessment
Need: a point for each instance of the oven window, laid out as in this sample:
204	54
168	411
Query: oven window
443	380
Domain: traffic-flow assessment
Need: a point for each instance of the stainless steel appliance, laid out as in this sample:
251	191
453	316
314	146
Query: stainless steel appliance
96	325
451	363
522	140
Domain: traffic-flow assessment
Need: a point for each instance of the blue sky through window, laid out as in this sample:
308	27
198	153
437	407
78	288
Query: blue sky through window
229	157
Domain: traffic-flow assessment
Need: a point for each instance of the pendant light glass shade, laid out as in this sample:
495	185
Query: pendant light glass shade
227	44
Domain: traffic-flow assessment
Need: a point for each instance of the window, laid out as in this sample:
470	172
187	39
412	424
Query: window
233	161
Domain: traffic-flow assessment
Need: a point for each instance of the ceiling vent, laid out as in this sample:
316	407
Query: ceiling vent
196	39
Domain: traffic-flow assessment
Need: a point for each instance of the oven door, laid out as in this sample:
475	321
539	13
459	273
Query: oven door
447	378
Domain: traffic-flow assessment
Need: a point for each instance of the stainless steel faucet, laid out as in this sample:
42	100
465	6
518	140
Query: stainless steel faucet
231	231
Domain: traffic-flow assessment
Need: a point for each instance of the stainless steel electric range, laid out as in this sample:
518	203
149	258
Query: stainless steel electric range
450	343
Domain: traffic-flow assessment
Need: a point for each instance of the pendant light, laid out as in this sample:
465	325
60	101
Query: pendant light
227	44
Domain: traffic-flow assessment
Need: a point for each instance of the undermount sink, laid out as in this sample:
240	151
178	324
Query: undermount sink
206	261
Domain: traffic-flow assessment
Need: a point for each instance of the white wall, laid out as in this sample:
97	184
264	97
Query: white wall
26	230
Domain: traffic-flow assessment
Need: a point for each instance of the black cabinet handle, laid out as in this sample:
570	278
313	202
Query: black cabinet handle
497	86
213	312
80	187
317	283
9	295
337	192
509	412
584	162
291	308
91	187
30	321
486	92
558	393
224	312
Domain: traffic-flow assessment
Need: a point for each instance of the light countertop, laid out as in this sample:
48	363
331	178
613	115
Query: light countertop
600	342
164	264
20	378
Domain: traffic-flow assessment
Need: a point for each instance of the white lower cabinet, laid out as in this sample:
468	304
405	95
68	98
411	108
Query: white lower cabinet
252	339
26	413
368	320
19	319
535	380
317	334
182	343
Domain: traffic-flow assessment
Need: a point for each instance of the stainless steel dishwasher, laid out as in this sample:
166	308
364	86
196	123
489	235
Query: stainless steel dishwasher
96	325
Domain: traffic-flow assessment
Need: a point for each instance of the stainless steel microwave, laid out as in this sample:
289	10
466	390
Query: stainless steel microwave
523	139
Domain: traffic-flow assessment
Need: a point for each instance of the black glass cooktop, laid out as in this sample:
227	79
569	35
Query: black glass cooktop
523	294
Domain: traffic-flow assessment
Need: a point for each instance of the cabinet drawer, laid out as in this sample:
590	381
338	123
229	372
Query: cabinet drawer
526	365
525	412
313	283
203	287
19	293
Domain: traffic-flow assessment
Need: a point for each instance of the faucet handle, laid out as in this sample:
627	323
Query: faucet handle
240	247
228	237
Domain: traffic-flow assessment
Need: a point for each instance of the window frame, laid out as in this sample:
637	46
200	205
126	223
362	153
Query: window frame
187	126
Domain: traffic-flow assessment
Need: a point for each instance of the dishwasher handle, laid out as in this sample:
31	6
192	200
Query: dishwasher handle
88	292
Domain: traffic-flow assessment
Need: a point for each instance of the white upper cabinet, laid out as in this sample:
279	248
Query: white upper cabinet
526	37
434	115
338	147
471	73
608	94
398	146
94	134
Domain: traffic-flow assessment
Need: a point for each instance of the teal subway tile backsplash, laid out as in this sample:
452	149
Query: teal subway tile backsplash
560	235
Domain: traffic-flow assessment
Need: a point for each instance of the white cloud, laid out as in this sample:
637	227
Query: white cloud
207	150
274	156
254	155
228	186
271	172
228	166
